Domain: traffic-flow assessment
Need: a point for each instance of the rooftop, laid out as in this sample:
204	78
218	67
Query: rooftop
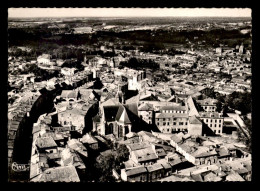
136	170
45	142
58	174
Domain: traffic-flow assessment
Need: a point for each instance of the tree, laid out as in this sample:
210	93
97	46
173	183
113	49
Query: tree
122	153
104	167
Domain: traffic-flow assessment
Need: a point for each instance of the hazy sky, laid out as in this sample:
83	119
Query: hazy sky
128	12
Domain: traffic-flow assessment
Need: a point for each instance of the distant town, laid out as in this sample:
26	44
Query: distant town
129	99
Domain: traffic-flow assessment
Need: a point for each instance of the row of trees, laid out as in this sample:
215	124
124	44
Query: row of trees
237	100
136	63
40	73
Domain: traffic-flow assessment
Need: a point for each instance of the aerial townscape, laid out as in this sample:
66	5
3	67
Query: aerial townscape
96	99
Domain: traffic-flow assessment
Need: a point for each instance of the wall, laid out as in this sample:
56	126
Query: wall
216	124
195	129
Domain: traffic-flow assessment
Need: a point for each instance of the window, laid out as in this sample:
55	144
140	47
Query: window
180	123
158	123
214	131
164	123
163	119
186	123
168	130
216	121
168	123
219	125
174	118
215	125
174	123
218	131
220	121
210	125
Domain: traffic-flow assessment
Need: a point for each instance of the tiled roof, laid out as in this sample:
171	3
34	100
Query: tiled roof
58	174
45	142
145	154
154	167
139	145
136	170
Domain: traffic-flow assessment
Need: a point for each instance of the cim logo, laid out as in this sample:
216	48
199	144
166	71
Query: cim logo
20	167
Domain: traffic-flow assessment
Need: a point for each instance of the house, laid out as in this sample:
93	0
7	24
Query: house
46	144
74	144
74	115
138	174
223	154
234	177
44	59
136	80
58	174
208	104
213	120
171	122
155	172
211	177
167	168
195	126
146	112
144	156
137	146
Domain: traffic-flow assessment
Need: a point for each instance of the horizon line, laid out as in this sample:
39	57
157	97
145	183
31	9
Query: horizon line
128	16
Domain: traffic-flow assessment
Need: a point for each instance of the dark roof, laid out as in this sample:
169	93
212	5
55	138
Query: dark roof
110	113
119	112
132	107
197	177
